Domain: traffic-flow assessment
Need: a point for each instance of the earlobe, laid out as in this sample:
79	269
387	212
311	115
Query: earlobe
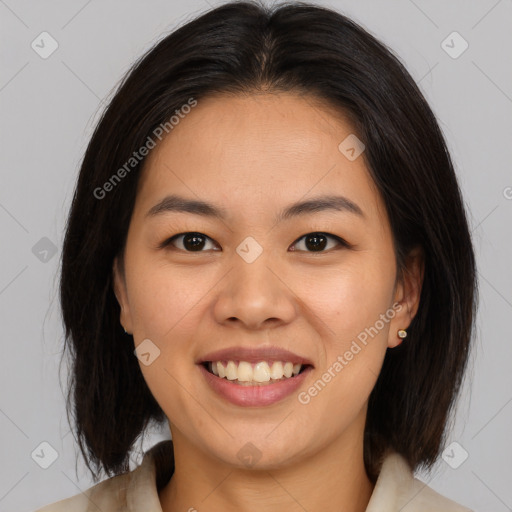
407	296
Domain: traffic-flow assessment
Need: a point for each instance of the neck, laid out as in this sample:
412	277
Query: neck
332	479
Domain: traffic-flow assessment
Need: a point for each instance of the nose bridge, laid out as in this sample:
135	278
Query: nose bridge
252	280
253	291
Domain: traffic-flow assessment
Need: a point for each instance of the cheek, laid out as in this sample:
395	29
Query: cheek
350	298
163	300
350	301
167	305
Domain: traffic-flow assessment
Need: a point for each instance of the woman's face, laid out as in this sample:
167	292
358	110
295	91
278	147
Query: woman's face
256	278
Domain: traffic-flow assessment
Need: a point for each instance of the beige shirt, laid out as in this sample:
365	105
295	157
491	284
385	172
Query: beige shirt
396	490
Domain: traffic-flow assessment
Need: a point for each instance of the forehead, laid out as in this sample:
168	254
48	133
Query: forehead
261	148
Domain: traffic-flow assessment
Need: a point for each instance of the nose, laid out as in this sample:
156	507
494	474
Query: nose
255	295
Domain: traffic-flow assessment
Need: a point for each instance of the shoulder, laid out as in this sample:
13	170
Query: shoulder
107	495
129	491
397	489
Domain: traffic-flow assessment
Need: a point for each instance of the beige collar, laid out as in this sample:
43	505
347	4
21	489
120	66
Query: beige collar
396	488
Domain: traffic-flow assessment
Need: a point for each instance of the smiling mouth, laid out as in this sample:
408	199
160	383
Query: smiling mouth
262	373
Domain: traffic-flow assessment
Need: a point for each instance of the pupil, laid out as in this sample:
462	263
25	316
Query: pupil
196	242
319	242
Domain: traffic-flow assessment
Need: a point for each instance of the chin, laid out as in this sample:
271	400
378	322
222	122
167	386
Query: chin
257	452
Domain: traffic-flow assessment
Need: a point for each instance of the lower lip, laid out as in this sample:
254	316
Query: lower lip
255	396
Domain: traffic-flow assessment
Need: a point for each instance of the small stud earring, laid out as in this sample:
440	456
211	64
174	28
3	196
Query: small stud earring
402	333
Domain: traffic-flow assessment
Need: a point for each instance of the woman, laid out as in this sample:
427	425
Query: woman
268	249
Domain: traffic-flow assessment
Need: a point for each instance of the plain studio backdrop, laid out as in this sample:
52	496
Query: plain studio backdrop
51	95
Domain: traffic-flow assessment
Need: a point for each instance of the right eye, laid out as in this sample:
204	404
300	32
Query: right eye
188	242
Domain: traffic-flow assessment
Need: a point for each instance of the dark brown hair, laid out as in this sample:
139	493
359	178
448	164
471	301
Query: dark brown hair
247	48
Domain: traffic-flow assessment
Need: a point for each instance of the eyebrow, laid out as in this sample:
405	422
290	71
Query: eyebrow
176	203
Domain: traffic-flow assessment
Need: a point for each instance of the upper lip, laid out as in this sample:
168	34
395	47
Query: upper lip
255	355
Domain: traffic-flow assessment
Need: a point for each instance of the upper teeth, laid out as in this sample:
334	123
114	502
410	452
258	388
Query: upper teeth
259	372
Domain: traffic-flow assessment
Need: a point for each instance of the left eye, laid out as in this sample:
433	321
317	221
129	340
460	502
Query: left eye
197	242
317	242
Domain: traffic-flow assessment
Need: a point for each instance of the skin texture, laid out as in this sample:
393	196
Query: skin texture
254	155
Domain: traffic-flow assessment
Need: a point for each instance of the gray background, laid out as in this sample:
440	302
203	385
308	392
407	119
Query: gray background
49	108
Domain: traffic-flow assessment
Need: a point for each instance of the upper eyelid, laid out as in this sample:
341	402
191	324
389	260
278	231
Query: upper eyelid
169	240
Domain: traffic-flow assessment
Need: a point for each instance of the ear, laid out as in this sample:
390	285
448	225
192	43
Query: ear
122	296
407	294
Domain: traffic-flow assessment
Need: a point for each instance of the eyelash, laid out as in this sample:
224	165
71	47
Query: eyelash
166	243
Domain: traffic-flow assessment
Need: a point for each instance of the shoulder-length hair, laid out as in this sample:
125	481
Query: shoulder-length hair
247	48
